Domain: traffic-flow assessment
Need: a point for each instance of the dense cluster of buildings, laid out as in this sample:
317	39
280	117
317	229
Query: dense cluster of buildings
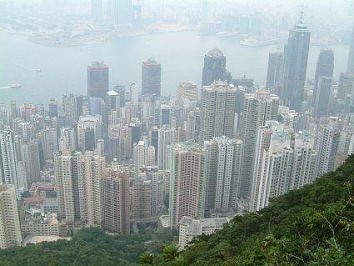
122	155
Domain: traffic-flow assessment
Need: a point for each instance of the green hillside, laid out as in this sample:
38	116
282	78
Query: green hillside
310	226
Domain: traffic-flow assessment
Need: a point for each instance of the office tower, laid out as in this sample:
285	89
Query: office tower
8	160
115	200
214	68
258	108
165	115
218	110
10	231
187	182
190	228
122	12
89	130
31	158
49	140
323	95
166	137
295	65
112	101
96	106
67	141
97	79
53	108
96	10
345	85
272	164
120	89
324	68
350	67
327	144
151	78
141	199
275	70
186	91
223	170
305	156
70	109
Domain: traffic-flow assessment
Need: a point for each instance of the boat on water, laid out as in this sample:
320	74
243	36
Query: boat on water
15	86
37	70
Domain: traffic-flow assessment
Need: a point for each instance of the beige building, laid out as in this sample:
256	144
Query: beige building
187	182
10	232
115	200
218	110
141	199
190	228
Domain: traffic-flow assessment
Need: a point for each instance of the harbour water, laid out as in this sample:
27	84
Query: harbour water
49	72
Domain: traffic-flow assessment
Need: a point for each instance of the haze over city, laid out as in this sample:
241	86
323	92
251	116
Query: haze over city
138	132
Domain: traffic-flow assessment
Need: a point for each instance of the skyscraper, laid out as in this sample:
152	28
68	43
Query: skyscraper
141	199
122	12
115	200
214	68
10	231
323	95
258	108
187	182
327	144
305	156
295	64
223	171
273	164
151	78
218	110
78	181
96	10
187	91
275	70
89	130
8	160
324	68
166	137
97	79
350	67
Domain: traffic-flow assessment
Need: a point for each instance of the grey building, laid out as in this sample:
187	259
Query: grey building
295	64
214	67
151	78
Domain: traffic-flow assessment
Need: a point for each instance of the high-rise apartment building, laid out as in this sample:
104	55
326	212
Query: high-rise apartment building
218	110
187	182
89	130
31	157
186	91
141	199
151	78
305	156
328	134
115	200
258	108
214	68
166	137
295	64
97	80
272	165
78	180
223	172
10	231
8	159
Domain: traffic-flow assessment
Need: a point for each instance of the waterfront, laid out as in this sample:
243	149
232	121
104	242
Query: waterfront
63	70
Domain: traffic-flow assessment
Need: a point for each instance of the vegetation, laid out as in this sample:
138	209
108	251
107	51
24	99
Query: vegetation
88	247
310	226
